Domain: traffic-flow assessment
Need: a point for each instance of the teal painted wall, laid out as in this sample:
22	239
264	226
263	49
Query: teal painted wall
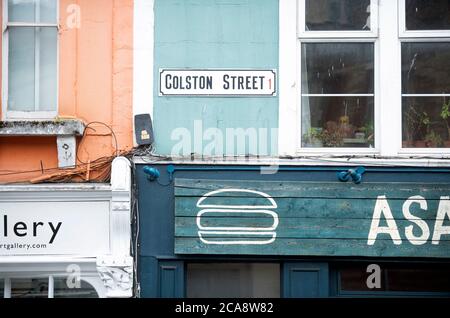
214	34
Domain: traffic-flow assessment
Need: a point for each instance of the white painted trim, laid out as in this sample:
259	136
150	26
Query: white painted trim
116	275
12	115
7	288
24	24
118	194
57	187
51	271
338	95
425	95
288	67
37	57
390	120
424	161
54	196
329	151
143	69
45	261
55	192
120	215
425	39
338	40
51	287
336	37
5	53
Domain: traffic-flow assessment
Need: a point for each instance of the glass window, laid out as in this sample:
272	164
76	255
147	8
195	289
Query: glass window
426	94
427	15
425	67
397	278
233	280
29	288
61	290
39	11
39	288
32	55
418	279
338	95
337	15
2	288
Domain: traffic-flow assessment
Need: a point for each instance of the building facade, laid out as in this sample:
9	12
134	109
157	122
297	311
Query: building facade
300	148
295	148
66	127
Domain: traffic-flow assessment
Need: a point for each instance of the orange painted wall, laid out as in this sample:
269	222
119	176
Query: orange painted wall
95	84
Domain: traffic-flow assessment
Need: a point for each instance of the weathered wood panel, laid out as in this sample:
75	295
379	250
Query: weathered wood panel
312	218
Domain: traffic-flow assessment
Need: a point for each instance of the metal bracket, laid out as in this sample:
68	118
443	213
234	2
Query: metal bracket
152	173
354	174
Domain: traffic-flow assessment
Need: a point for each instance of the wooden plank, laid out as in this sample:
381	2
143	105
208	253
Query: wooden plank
313	228
322	208
294	189
315	247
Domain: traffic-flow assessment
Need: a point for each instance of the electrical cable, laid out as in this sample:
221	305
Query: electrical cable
106	159
85	134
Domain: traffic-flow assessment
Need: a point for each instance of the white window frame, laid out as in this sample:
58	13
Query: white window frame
409	151
303	33
339	37
417	36
388	85
339	150
416	33
24	115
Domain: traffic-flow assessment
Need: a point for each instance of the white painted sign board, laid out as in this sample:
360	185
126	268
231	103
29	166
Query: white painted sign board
220	82
55	228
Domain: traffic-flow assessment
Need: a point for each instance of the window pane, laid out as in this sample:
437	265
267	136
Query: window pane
233	281
337	68
427	14
21	68
22	86
48	11
43	11
2	288
337	122
332	15
21	11
63	291
426	122
29	288
47	68
419	279
397	278
426	68
354	278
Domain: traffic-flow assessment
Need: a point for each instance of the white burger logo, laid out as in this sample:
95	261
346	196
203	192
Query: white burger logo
226	206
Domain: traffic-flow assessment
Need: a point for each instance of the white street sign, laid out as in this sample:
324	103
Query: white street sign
187	82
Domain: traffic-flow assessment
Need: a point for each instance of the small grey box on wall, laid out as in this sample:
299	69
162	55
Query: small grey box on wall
67	149
143	129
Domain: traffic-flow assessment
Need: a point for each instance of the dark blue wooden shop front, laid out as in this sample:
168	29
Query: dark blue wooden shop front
299	232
